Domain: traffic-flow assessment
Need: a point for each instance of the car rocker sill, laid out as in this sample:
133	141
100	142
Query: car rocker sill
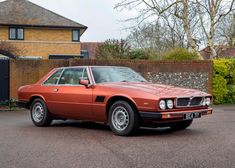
22	104
173	115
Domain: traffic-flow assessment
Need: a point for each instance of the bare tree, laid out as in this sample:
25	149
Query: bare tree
225	31
211	13
156	37
164	12
200	19
8	50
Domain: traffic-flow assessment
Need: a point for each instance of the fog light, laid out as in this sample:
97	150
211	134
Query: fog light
162	105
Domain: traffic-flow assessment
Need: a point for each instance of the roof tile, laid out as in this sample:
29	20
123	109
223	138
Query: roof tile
24	12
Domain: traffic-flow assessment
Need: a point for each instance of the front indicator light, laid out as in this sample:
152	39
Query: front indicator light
209	112
165	116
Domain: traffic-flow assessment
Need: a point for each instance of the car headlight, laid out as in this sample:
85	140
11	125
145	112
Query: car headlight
170	104
207	101
162	105
204	102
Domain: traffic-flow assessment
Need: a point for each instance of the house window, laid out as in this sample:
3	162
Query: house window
76	35
16	33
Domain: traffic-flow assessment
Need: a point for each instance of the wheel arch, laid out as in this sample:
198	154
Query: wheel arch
115	98
33	97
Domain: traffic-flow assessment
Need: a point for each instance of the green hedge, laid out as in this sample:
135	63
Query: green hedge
180	54
223	85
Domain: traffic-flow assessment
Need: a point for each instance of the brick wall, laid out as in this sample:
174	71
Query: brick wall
44	42
24	72
44	49
196	74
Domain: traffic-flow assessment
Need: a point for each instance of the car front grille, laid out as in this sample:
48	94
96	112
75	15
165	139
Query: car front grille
189	101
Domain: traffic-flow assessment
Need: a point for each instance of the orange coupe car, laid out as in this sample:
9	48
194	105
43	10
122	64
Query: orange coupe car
117	96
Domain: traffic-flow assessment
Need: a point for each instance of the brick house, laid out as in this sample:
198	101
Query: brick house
38	32
223	51
90	48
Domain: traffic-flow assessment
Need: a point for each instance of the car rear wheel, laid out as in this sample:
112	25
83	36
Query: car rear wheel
181	125
123	119
40	114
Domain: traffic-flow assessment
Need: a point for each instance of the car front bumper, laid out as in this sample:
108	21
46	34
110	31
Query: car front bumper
176	115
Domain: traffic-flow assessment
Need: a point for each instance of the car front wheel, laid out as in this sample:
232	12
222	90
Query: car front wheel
39	113
123	119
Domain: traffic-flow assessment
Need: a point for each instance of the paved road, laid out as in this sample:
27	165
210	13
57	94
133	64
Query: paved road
209	142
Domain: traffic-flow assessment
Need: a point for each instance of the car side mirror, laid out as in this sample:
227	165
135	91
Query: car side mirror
84	82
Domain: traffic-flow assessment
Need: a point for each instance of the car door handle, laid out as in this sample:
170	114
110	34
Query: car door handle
56	90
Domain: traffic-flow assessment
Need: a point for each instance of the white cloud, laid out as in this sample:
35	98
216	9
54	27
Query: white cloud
102	20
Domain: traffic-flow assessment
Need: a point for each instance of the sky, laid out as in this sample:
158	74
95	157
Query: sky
102	20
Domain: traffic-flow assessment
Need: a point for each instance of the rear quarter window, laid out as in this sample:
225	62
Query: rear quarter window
53	79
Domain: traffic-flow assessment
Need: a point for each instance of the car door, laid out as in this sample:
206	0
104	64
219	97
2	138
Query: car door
69	98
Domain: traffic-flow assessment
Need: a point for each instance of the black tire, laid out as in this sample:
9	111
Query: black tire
181	125
130	117
43	120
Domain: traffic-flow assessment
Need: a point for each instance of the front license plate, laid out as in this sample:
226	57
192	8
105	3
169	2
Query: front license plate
190	116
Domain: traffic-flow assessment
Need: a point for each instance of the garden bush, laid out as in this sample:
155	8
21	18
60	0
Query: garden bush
223	85
180	54
139	54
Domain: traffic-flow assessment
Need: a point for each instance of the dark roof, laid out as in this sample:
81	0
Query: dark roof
26	13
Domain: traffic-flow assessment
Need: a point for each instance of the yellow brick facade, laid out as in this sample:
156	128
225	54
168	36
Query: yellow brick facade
3	33
43	42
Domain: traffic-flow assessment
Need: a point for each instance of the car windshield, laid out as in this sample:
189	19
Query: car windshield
115	74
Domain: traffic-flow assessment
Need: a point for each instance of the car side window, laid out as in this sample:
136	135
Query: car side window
53	79
85	75
73	76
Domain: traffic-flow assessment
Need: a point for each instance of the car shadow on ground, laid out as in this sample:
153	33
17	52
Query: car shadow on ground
81	124
143	131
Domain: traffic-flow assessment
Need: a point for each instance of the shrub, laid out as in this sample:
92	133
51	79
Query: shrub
143	54
219	87
230	98
223	85
139	54
113	49
180	54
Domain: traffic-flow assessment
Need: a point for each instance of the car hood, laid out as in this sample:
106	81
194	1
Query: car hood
157	89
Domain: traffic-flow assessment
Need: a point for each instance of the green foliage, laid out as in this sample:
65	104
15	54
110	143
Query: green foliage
224	81
219	87
230	98
180	54
139	54
113	49
221	67
120	49
9	104
143	54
